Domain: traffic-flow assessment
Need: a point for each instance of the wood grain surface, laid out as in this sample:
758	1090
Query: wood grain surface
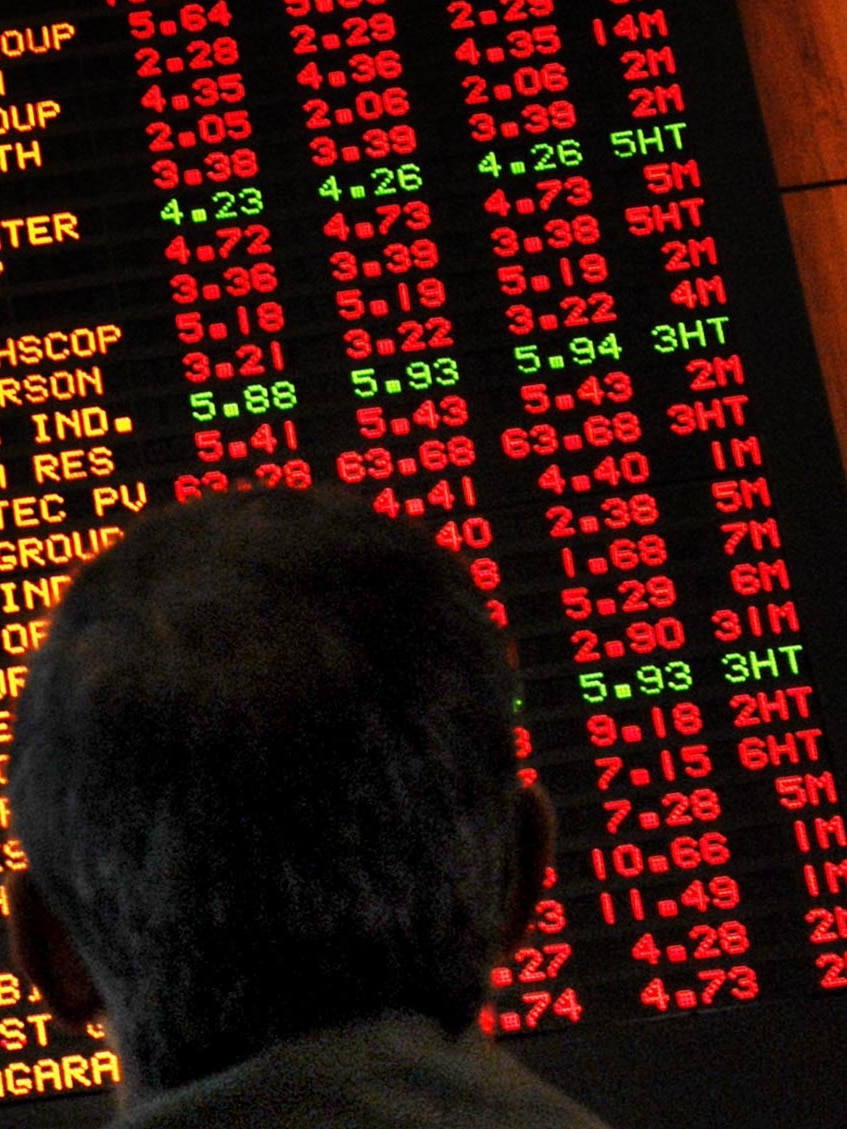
798	52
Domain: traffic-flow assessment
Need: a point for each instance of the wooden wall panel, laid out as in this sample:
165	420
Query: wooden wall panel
799	54
817	220
798	50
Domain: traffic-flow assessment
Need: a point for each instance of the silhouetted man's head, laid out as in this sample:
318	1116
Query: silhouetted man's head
264	775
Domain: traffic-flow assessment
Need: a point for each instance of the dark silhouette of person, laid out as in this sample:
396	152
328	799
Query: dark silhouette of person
264	775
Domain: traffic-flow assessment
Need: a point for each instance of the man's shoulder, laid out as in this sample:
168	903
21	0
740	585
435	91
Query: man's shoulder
399	1072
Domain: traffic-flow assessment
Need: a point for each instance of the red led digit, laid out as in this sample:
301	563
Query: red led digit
208	92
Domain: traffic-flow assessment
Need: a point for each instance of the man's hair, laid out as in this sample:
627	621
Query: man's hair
264	774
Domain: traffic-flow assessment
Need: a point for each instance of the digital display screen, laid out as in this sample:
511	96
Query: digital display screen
515	269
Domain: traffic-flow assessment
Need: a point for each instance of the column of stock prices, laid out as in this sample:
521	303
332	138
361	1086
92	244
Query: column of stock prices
512	269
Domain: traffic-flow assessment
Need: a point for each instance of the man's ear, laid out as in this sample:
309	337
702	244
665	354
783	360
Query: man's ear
43	950
535	822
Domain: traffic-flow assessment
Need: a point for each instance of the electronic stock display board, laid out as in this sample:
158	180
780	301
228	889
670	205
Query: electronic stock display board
516	269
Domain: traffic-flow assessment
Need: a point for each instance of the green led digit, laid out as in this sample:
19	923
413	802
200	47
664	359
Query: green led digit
593	687
251	202
446	370
679	675
284	395
203	406
256	399
650	679
420	375
364	382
